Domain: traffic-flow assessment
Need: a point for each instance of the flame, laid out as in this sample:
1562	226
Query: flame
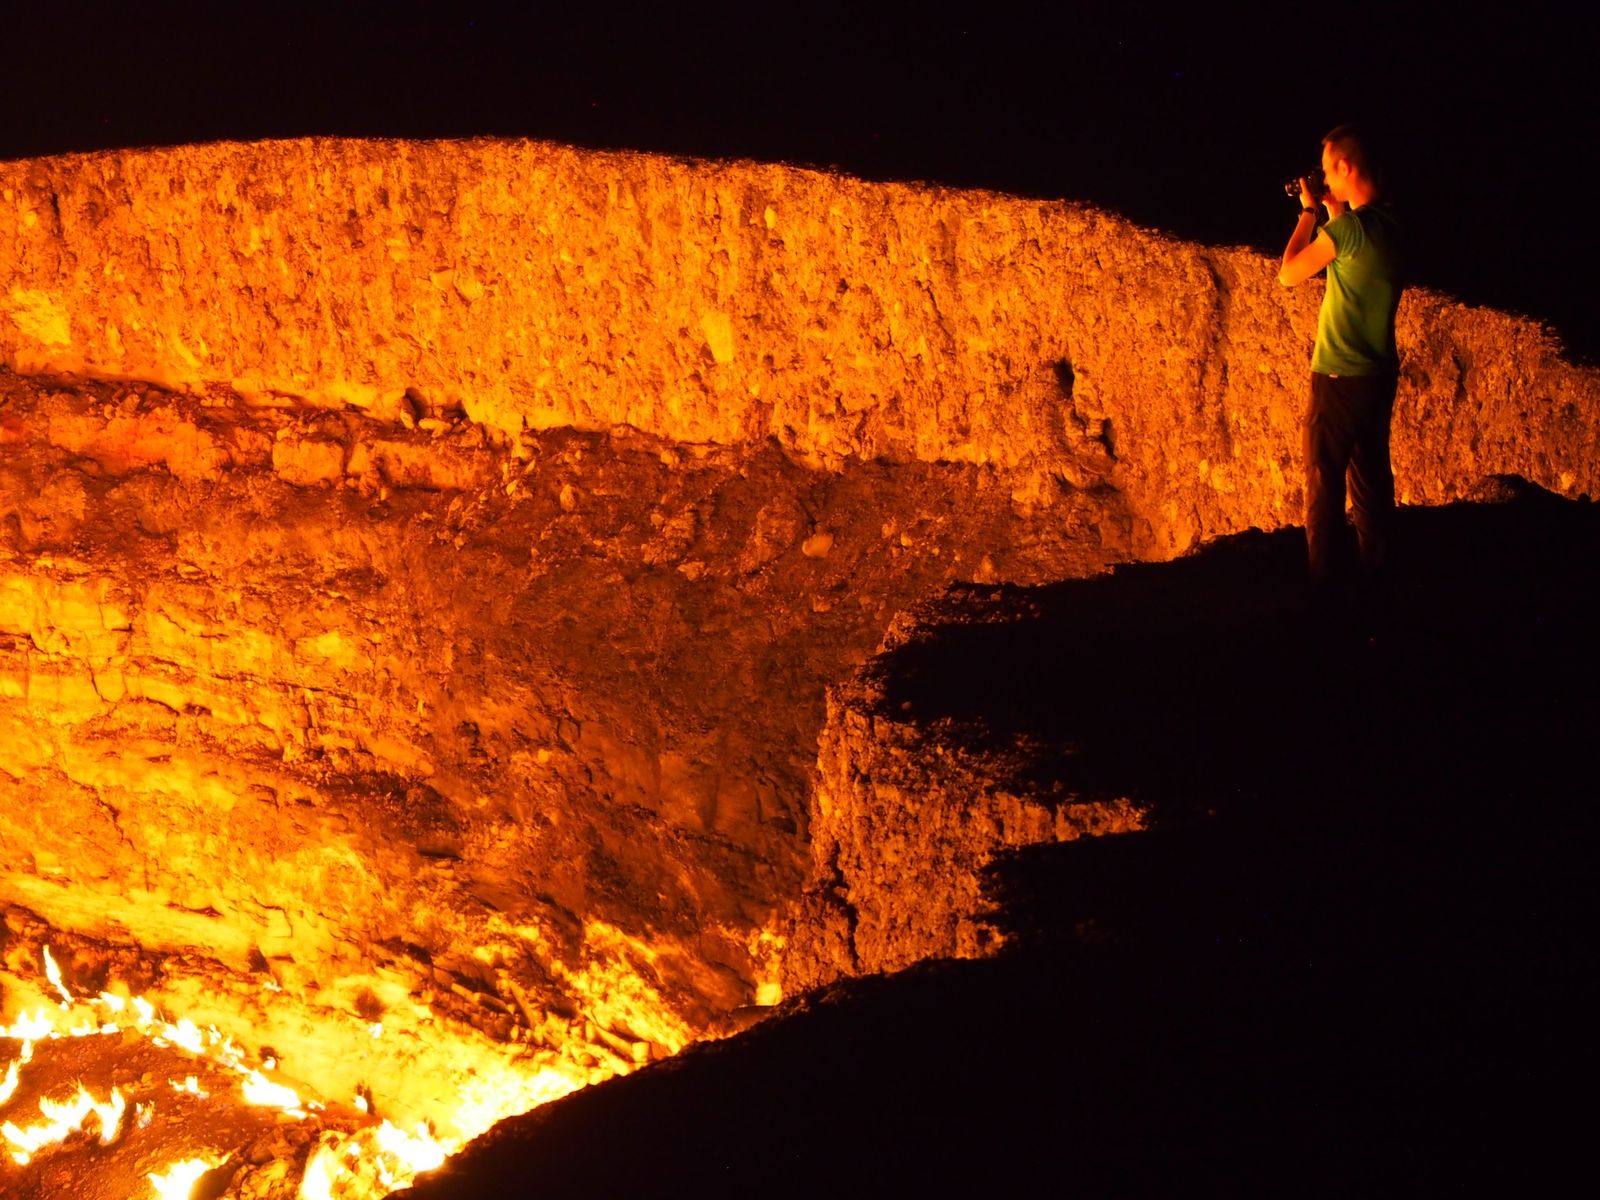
374	1160
258	1089
483	1101
64	1118
185	1034
53	974
371	1161
109	1113
419	1151
766	956
8	1087
30	1027
177	1182
322	1168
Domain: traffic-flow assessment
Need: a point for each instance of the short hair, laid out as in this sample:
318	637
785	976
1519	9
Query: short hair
1351	142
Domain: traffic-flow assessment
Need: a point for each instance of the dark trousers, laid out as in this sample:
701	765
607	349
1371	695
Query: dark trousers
1347	430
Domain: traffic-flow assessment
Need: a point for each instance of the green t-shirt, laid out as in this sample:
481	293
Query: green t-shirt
1355	329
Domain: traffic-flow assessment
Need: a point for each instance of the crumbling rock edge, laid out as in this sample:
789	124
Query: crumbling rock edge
359	334
530	286
1371	845
395	717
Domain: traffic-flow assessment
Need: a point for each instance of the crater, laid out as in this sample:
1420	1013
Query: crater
425	655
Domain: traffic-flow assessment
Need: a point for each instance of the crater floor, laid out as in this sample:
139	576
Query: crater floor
509	748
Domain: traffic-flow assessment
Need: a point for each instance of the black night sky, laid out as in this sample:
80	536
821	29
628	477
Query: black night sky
1183	118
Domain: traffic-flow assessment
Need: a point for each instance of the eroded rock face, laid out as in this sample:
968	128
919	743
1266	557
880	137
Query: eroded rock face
422	564
906	816
418	729
535	286
1281	970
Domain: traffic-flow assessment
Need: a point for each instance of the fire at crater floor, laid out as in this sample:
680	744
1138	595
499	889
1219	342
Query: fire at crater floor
318	726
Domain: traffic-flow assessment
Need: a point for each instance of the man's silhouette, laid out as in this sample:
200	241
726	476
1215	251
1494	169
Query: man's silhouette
1354	366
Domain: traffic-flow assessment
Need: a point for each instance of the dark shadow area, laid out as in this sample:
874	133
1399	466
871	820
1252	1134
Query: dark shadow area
1352	957
1210	683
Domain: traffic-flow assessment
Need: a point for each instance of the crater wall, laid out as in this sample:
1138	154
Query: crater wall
422	566
532	285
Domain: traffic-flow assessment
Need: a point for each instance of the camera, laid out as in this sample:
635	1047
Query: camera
1314	180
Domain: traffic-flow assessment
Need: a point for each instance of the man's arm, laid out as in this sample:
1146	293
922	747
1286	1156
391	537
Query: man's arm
1305	255
1309	249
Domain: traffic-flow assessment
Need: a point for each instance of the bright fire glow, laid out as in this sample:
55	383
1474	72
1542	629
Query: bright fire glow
30	1027
379	1159
185	1034
53	974
62	1119
372	1161
177	1181
258	1089
8	1086
417	1150
322	1168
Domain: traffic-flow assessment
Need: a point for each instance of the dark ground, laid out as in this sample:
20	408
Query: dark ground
1352	957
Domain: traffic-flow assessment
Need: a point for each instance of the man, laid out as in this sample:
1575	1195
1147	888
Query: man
1354	365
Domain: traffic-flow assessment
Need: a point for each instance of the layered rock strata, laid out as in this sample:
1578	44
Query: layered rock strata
423	562
418	730
1365	854
534	286
906	817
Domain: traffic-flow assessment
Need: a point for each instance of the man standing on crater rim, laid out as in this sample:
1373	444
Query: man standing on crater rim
1354	365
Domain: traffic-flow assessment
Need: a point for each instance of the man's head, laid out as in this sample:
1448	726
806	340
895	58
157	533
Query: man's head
1348	164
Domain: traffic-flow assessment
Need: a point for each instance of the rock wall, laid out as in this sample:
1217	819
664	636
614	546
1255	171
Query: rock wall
409	727
301	535
903	824
534	285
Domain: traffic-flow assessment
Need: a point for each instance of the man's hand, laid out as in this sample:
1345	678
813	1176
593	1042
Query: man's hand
1307	200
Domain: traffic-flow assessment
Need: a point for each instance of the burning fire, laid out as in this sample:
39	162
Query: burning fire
177	1182
165	1097
369	1161
63	1119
